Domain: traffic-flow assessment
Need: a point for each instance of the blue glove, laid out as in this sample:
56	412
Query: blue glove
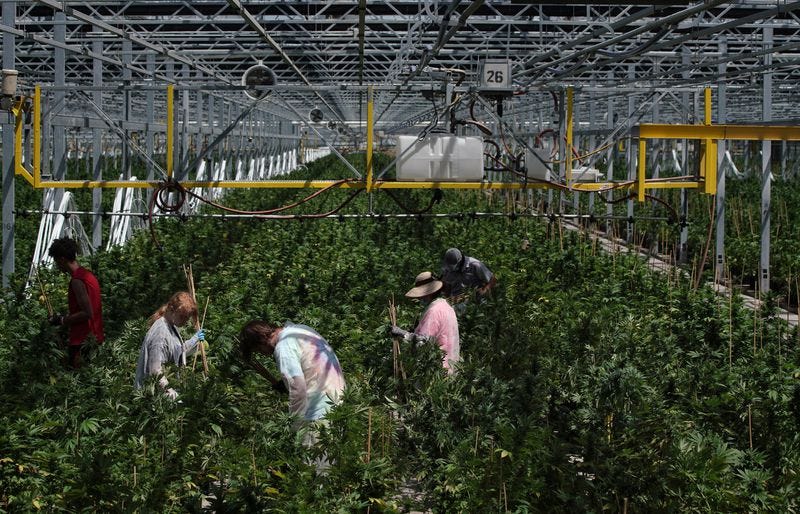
200	335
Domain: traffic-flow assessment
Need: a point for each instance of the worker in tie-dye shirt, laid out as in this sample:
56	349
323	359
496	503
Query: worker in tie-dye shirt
307	364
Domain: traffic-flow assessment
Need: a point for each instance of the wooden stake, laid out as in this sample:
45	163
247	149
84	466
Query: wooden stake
369	433
47	303
397	364
197	324
730	320
750	424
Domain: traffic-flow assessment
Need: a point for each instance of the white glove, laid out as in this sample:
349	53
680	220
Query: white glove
162	382
171	393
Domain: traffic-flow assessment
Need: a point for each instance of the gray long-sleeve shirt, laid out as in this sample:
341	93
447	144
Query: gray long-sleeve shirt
162	344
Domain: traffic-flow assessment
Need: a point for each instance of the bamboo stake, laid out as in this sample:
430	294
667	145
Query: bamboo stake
730	320
47	303
755	320
397	364
369	434
202	349
750	424
197	326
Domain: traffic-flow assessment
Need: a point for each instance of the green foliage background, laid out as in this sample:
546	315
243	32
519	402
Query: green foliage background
588	384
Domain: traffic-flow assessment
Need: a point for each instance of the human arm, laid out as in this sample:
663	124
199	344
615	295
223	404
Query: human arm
486	278
192	344
406	335
487	288
277	384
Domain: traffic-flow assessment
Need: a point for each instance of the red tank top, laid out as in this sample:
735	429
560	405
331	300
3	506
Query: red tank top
79	331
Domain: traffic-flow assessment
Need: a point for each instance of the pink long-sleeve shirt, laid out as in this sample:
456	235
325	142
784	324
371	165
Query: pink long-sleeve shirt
439	322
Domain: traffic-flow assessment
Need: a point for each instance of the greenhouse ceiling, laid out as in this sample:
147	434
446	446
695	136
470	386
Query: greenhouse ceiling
326	54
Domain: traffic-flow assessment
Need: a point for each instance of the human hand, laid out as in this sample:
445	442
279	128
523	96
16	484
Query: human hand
397	331
56	320
200	335
171	393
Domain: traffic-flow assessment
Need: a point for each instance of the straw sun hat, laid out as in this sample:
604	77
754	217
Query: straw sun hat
424	284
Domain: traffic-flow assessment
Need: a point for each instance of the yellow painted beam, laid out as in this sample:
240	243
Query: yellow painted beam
370	123
568	158
320	184
710	161
18	110
640	175
170	127
734	132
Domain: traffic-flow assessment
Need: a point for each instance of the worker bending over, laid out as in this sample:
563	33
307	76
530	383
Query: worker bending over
461	274
307	364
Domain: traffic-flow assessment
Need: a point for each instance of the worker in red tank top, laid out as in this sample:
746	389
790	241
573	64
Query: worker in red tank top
85	317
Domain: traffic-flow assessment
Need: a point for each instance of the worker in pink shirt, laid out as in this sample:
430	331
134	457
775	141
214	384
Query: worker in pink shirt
438	322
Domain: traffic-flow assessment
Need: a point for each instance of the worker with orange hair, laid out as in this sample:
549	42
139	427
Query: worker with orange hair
163	342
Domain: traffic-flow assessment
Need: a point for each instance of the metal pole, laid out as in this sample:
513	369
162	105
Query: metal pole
766	172
683	247
722	117
610	157
97	144
9	20
59	133
127	50
630	155
150	98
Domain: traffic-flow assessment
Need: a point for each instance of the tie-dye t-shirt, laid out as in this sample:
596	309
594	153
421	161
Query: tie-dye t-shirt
302	352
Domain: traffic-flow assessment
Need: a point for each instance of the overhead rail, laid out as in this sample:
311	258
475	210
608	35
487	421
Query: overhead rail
705	181
709	135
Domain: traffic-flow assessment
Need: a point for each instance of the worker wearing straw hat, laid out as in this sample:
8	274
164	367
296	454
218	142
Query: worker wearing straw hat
163	342
438	322
85	317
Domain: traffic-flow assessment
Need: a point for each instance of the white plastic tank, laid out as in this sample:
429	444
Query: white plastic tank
440	157
536	166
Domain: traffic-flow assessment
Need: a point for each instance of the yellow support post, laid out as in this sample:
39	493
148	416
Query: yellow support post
568	158
708	161
641	170
170	116
370	123
18	110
